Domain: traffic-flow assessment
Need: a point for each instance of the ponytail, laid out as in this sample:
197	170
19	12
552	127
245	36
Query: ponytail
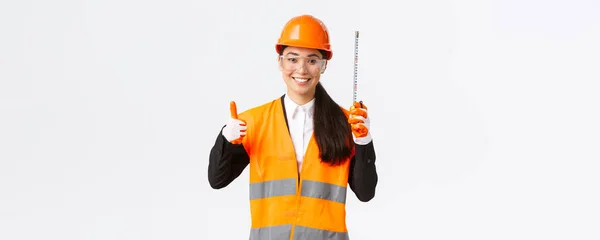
332	131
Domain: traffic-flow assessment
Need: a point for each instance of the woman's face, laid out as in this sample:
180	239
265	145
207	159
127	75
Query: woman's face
301	70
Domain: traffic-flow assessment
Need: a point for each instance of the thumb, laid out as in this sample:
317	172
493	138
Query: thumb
233	110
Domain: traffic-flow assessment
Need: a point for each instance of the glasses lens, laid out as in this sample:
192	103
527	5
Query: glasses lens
291	63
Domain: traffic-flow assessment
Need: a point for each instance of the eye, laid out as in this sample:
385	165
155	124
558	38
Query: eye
292	59
312	61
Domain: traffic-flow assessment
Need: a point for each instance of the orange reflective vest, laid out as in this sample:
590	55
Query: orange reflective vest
286	205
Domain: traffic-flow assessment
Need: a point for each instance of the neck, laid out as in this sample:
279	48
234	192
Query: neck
301	99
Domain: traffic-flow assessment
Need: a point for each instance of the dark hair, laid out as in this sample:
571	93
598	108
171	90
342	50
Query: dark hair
332	131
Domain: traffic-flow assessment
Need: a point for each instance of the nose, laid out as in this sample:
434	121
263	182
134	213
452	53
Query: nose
302	68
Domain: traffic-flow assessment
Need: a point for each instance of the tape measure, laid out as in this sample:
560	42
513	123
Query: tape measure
355	90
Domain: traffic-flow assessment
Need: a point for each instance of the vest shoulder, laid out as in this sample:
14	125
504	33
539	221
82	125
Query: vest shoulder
261	109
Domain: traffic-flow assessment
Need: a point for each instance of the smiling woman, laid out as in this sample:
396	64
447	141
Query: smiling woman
301	69
303	149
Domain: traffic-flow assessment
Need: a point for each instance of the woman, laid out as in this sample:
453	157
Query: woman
303	149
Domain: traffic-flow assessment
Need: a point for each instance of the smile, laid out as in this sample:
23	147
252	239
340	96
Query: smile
301	80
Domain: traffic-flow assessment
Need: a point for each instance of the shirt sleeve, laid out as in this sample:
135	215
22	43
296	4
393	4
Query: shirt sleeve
226	162
363	174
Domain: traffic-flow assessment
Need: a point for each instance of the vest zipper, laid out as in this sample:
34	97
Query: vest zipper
298	193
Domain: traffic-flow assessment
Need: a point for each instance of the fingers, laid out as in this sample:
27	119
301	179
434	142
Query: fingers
357	125
234	119
359	130
359	112
358	108
240	135
239	127
358	116
358	105
234	114
238	122
233	110
356	119
242	126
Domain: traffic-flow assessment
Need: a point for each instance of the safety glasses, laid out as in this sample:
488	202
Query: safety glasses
294	63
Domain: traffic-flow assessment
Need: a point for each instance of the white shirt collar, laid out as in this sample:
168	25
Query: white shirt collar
291	108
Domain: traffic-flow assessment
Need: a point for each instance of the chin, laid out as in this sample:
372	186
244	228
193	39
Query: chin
301	92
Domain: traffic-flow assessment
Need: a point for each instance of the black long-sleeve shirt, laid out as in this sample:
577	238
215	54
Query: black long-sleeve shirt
227	161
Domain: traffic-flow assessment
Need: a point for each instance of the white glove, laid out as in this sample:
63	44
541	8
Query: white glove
234	130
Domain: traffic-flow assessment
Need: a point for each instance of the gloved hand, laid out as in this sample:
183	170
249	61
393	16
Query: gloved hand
235	129
360	123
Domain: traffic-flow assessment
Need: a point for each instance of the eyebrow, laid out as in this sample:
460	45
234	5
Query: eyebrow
295	54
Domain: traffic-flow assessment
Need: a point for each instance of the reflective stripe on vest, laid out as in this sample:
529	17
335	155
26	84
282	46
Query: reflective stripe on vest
282	232
287	186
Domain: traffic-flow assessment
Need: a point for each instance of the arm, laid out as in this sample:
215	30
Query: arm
363	174
226	162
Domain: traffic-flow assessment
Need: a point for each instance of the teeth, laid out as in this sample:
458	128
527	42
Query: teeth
301	79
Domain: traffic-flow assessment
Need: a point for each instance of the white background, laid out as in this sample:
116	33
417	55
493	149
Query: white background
485	115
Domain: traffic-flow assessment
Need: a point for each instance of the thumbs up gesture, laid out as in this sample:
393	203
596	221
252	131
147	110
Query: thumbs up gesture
235	129
360	123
